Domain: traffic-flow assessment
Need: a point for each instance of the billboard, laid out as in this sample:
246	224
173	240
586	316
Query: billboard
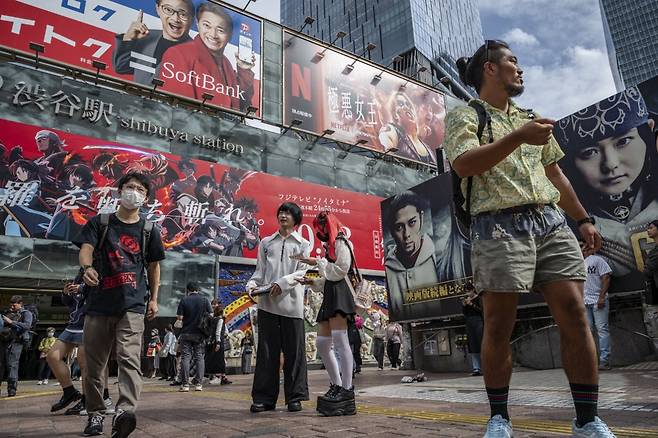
427	258
52	182
355	102
611	160
194	46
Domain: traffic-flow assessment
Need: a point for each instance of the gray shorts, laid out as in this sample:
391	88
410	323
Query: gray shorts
522	248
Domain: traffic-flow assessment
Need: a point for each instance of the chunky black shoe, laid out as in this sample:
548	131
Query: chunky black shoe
94	426
174	383
66	400
294	406
331	394
261	407
123	424
75	409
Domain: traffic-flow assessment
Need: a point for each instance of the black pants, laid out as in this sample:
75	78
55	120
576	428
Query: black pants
44	369
474	330
275	334
378	351
394	353
356	354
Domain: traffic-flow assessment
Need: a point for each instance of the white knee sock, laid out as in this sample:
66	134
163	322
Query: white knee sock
342	345
328	359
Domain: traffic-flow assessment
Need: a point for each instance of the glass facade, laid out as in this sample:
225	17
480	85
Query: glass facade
440	32
631	32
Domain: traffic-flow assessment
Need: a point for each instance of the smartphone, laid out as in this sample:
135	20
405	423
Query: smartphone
245	48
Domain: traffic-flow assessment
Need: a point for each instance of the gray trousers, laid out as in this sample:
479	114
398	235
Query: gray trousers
378	351
192	346
10	356
101	333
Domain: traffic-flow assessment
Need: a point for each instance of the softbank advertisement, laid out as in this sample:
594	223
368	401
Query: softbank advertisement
200	50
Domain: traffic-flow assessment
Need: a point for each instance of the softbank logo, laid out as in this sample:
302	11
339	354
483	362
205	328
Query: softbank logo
139	61
204	81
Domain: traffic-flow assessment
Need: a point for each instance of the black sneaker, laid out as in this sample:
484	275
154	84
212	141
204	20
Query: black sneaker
331	394
175	383
123	424
94	426
75	409
66	400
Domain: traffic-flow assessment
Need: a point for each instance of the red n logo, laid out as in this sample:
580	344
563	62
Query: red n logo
301	82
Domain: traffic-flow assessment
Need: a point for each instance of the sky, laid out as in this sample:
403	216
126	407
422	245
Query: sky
559	43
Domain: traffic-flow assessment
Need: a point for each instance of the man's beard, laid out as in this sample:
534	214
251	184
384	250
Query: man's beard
514	90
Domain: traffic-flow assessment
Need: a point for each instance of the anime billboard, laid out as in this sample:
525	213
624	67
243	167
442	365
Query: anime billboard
52	182
611	160
354	102
195	47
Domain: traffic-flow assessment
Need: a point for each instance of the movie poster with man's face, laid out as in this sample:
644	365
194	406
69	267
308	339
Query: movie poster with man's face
52	182
198	49
612	162
354	102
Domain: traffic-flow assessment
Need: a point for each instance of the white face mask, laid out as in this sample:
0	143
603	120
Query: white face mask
51	334
132	199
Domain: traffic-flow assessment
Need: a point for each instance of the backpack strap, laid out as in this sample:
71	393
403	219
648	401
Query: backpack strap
105	224
353	264
484	119
146	238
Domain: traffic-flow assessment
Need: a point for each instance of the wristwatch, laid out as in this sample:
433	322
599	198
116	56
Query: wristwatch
587	220
85	267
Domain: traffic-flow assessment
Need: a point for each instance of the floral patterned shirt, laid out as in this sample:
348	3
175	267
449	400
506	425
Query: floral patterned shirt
517	180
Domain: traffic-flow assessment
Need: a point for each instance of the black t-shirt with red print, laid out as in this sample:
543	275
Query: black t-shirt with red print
122	285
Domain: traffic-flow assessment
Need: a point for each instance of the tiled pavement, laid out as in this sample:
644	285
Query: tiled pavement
447	405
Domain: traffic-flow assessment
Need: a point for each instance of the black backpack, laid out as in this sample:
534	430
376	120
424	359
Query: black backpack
462	206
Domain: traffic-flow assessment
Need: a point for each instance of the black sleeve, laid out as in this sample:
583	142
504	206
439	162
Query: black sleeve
156	248
181	308
121	55
208	307
90	233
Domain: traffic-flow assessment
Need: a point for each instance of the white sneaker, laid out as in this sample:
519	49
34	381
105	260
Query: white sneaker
40	382
215	381
198	388
109	409
45	382
593	429
184	388
83	413
498	427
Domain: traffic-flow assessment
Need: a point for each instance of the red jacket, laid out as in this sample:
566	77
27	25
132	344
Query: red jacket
190	70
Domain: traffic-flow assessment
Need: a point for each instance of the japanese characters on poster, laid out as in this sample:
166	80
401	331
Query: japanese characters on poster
196	47
611	160
326	90
52	182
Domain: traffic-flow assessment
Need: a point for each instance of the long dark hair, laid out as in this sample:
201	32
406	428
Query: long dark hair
471	69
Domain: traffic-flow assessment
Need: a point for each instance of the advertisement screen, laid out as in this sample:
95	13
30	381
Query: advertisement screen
52	182
611	160
354	102
195	47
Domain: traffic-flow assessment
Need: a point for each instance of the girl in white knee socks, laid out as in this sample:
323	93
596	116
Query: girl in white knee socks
338	302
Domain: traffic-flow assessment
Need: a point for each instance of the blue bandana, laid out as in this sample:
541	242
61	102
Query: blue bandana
610	117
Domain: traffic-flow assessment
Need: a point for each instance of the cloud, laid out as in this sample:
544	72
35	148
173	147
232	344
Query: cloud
581	78
520	37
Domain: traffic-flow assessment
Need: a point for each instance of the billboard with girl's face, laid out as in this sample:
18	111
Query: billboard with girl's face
195	47
327	90
611	160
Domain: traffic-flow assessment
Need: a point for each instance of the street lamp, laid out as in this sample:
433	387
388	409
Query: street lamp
98	65
325	132
294	123
247	5
307	22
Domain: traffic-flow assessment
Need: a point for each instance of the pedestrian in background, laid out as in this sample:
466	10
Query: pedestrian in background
378	338
597	304
215	353
191	310
152	350
168	354
393	343
45	346
472	310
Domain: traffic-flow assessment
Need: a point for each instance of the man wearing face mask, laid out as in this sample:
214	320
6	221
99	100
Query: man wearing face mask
116	260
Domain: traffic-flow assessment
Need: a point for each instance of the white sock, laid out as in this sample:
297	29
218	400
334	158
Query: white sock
342	345
328	359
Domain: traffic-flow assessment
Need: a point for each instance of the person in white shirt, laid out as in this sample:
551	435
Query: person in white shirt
597	305
337	305
280	314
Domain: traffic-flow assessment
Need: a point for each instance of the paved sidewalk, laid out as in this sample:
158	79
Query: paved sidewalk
447	405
